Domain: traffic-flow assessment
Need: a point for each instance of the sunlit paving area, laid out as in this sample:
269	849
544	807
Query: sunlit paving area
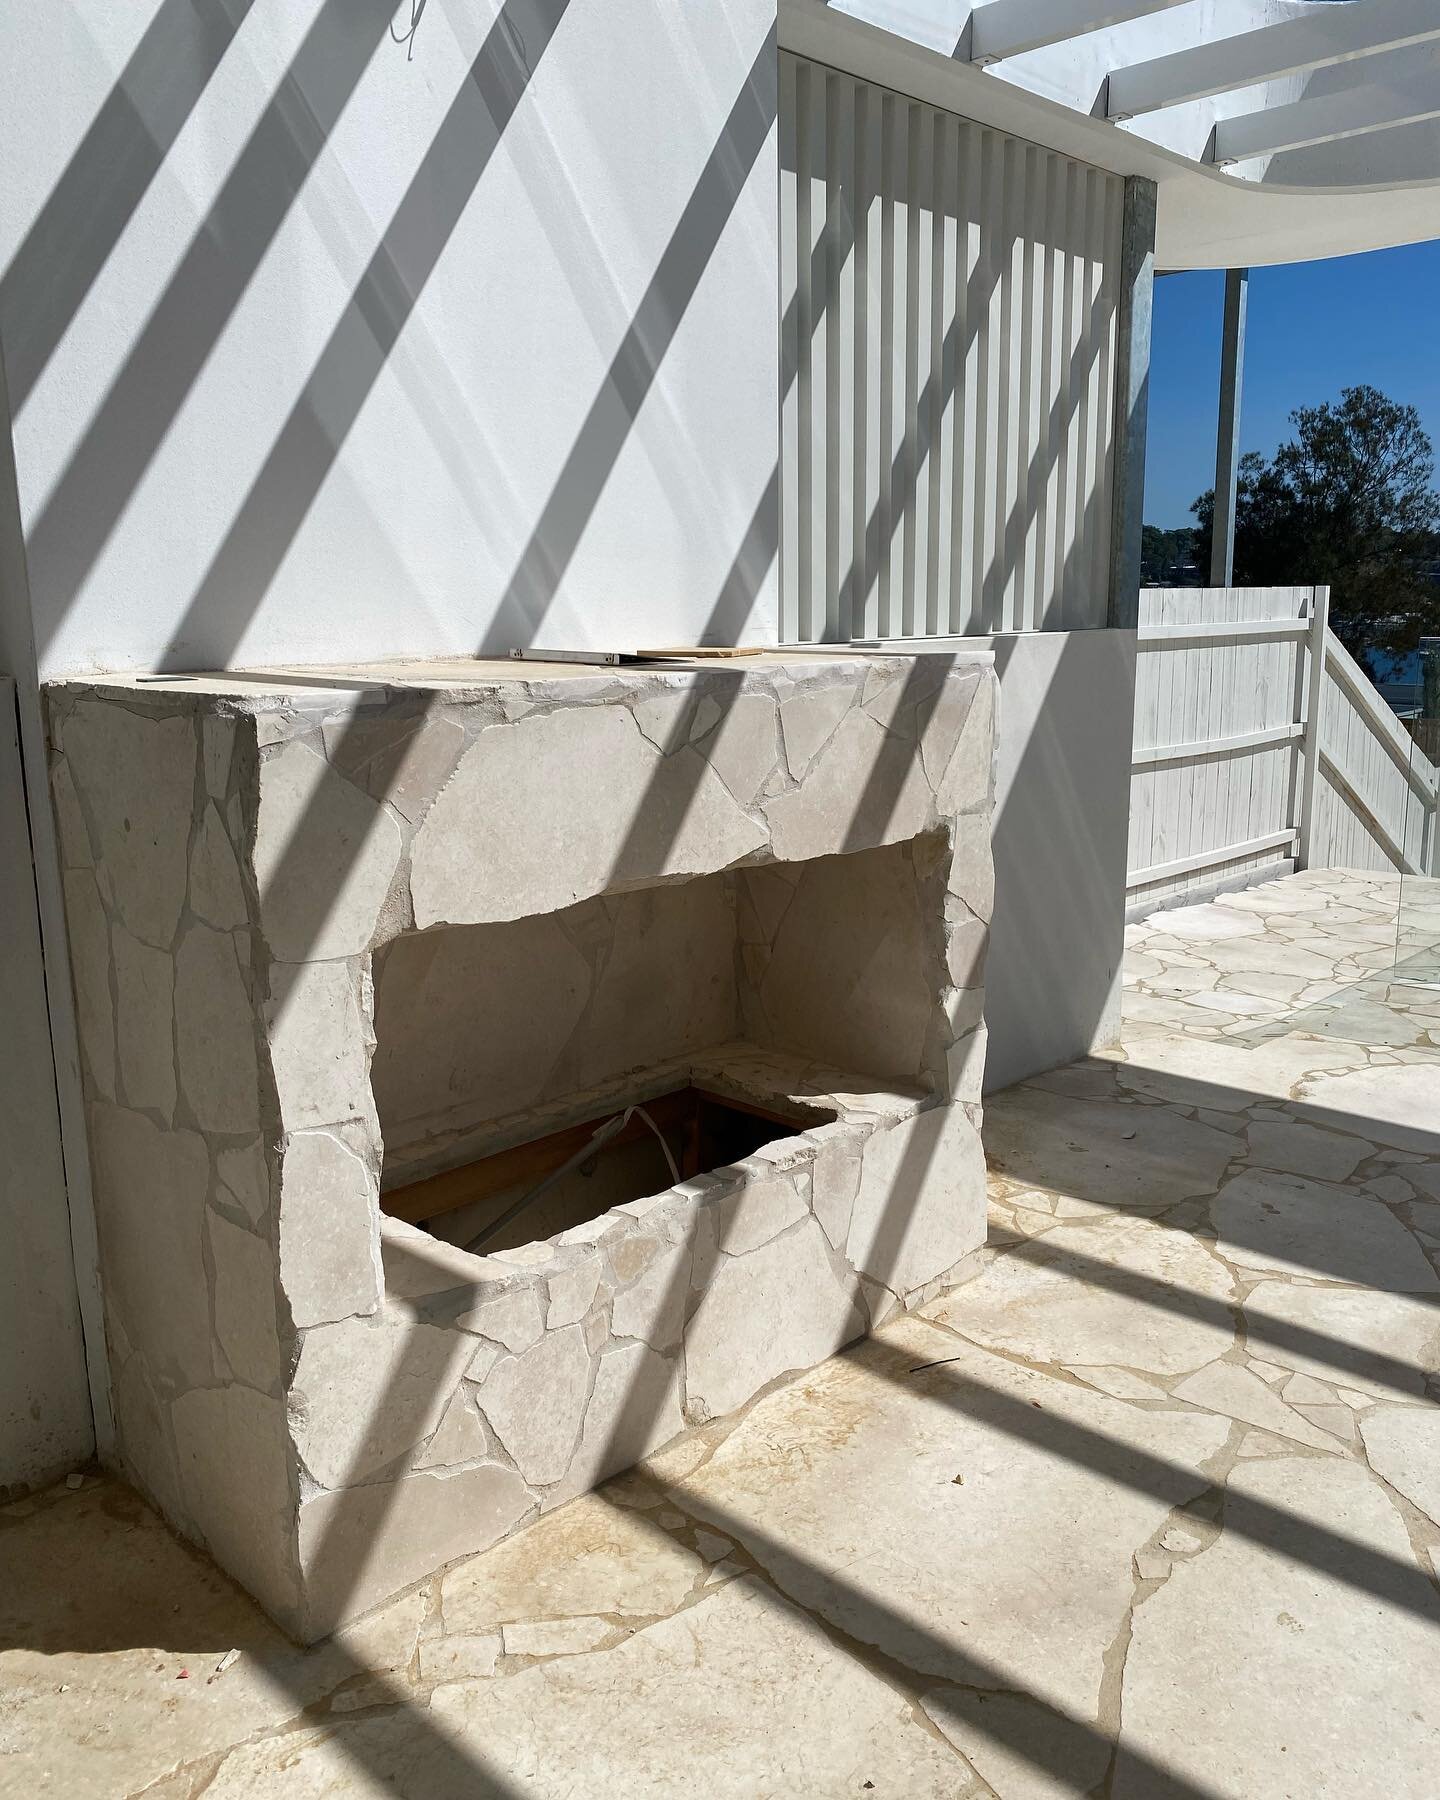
1147	1504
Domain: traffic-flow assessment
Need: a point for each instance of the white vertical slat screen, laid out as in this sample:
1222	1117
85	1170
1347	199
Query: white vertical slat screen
949	305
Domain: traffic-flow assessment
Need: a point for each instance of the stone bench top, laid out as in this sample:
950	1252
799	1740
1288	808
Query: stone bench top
460	678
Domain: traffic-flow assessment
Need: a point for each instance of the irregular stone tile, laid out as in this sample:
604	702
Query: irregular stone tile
703	1704
366	1390
963	777
100	1605
137	776
403	760
89	944
318	1046
746	747
216	893
329	1230
513	788
1303	1150
807	722
536	1401
145	1022
1390	1188
150	1189
459	1658
1382	1343
590	1557
1395	1106
555	1637
849	973
921	1203
1025	1564
653	1306
74	833
244	1179
779	1308
1126	1157
235	1480
512	1318
1229	1077
359	1545
459	1437
634	1019
1135	1294
1207	923
217	739
864	787
1332	1419
215	1033
634	1408
324	857
1306	1390
755	1212
571	1293
245	1304
1226	1387
1339	1711
1402	1444
1269	1221
526	989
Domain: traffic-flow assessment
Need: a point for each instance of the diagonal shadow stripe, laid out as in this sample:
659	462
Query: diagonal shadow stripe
88	209
269	518
1158	1295
186	322
1307	1542
1069	1744
556	536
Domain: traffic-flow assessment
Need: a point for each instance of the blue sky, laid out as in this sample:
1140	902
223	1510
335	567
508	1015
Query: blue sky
1314	328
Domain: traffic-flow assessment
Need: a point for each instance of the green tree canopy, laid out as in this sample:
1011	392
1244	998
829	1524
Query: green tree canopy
1350	503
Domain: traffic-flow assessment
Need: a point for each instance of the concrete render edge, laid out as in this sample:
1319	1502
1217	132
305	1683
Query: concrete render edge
232	862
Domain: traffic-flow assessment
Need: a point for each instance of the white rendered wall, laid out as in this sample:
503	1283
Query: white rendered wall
401	349
1062	803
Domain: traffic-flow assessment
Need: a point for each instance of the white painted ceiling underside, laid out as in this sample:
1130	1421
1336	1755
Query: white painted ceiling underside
1276	130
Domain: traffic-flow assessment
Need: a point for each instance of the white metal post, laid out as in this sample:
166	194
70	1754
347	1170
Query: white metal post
1314	719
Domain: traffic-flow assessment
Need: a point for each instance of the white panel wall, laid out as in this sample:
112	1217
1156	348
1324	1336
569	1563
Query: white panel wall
321	345
949	317
1376	796
1223	734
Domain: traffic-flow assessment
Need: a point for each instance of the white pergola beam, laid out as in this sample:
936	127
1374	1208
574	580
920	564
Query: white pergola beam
1319	40
1002	28
1350	112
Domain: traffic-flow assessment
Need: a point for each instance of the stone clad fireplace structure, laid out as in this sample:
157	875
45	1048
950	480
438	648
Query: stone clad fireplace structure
362	956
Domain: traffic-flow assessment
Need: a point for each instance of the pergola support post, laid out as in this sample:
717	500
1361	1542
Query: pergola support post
1132	399
1227	435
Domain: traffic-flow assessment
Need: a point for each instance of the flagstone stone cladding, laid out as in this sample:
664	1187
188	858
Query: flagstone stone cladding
335	1403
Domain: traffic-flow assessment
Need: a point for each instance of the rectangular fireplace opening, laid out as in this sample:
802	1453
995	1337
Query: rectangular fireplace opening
545	1185
500	1047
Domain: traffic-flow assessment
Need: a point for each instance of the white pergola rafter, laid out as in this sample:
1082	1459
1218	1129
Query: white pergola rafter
1348	112
1002	28
1319	40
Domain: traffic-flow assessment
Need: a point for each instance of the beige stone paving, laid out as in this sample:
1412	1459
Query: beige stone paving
1148	1506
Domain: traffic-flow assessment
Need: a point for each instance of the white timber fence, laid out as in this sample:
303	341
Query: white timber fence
1261	746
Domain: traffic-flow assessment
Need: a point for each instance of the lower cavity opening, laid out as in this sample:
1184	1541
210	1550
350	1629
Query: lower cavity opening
543	1186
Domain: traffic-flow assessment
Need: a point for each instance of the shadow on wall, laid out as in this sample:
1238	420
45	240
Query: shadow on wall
505	519
1062	814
